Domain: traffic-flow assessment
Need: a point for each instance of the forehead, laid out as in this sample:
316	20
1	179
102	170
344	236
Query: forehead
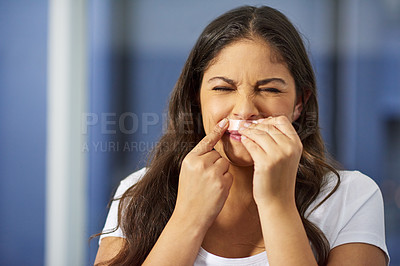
248	55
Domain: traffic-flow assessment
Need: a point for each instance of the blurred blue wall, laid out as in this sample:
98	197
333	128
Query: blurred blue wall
356	59
136	52
23	38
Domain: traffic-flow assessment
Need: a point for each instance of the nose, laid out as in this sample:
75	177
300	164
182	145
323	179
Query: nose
245	108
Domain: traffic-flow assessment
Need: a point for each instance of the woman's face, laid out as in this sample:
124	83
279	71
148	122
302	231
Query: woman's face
246	82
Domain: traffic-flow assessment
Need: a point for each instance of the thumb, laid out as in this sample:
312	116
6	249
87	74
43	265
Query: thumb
209	141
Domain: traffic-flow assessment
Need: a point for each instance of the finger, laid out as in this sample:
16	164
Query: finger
283	124
269	128
211	157
261	137
228	175
222	165
228	178
209	141
255	151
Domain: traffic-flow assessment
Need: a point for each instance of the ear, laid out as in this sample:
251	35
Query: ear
301	101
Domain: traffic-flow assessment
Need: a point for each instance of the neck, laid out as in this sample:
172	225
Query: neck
240	210
242	187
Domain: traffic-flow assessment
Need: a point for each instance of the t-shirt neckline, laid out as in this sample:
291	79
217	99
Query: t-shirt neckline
260	257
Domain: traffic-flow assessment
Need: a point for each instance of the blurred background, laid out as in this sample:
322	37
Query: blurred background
132	53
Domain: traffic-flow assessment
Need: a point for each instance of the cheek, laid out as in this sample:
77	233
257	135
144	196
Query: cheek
212	112
277	107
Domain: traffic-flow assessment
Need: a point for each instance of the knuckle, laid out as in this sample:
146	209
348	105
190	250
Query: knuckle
205	143
289	152
211	171
294	150
300	145
214	172
186	160
223	160
194	163
281	119
228	175
214	152
201	165
217	130
219	185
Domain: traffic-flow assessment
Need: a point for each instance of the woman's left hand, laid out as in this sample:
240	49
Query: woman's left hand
275	148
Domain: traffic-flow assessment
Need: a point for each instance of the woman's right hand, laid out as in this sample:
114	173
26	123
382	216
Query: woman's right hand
204	181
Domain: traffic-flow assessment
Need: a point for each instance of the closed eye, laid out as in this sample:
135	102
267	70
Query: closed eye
222	89
272	90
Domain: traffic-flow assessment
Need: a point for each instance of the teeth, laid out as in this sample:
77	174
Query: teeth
235	124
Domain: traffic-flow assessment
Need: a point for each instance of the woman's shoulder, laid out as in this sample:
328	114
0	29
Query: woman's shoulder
348	178
350	182
353	186
129	181
353	213
134	177
111	227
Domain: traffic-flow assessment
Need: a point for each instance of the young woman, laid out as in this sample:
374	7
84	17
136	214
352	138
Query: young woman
262	193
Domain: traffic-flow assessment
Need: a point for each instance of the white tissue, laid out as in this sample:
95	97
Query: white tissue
235	124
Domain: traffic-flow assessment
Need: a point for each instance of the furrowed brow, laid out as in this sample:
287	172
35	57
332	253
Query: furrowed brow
266	81
229	81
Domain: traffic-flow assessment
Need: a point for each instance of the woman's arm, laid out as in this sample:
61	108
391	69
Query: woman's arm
177	245
356	254
108	249
276	150
291	247
204	184
285	239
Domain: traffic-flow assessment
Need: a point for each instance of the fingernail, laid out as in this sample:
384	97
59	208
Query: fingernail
223	122
247	124
243	137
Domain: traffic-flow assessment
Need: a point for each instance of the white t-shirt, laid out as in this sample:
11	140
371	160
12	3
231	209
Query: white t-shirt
354	213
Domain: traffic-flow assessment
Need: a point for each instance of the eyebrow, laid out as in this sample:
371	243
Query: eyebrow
229	81
258	83
266	81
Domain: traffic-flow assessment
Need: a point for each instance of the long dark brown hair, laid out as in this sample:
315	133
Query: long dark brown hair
146	207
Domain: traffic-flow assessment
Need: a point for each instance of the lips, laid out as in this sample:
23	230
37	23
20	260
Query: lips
234	134
234	125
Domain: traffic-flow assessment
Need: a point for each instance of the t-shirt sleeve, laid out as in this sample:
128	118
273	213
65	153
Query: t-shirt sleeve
111	225
362	217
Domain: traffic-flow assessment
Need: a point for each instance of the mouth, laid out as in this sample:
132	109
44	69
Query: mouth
234	125
234	134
